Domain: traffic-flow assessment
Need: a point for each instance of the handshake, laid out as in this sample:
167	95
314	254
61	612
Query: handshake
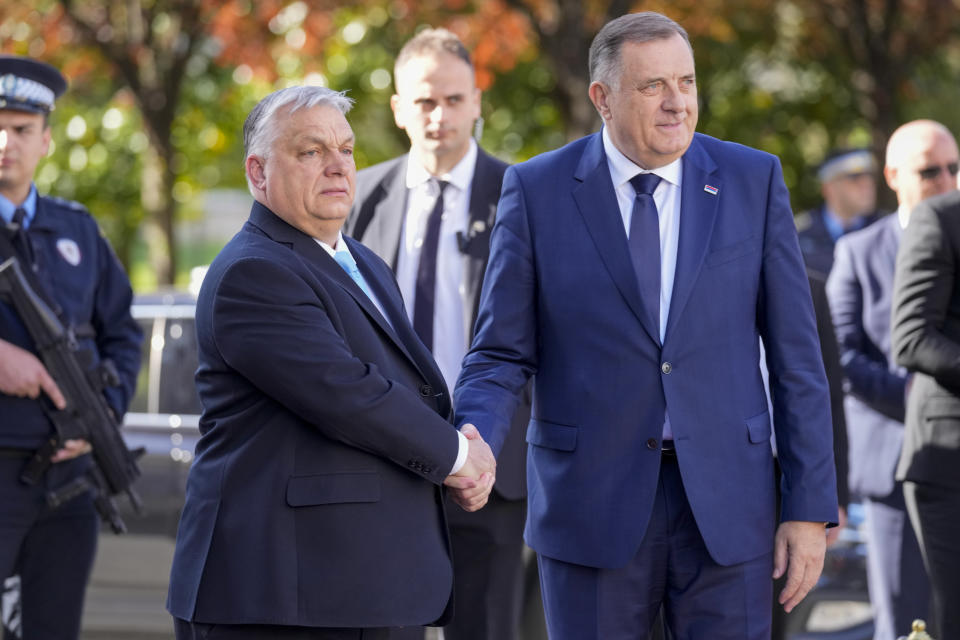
470	487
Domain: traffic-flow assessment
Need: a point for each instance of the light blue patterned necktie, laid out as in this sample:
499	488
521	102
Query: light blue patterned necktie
345	260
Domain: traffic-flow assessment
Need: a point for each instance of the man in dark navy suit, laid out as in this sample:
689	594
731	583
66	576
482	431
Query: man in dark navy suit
438	245
860	290
51	549
314	505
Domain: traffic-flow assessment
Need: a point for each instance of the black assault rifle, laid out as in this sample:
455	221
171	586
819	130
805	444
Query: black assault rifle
87	414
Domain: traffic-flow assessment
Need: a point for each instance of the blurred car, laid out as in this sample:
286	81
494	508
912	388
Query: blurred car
164	413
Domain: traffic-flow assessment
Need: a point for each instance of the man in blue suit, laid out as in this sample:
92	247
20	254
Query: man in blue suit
313	506
633	272
860	291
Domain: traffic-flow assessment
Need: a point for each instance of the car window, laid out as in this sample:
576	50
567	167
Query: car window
178	393
139	402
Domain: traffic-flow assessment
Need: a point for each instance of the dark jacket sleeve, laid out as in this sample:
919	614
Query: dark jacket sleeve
118	334
923	288
831	363
867	371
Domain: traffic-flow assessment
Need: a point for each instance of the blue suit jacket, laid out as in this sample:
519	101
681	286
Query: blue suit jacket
314	498
860	291
561	301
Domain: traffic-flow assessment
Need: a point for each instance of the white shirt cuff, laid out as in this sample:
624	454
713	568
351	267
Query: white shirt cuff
461	454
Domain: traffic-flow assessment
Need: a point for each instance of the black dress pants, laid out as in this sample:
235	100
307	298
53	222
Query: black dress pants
935	516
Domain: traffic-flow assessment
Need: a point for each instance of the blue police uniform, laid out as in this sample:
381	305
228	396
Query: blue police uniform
817	239
52	550
819	229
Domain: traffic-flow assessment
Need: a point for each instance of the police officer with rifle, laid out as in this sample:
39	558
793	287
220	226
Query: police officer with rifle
69	355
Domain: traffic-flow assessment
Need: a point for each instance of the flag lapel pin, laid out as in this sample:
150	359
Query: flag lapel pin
710	189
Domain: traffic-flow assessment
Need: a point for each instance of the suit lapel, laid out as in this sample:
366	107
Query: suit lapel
475	248
318	260
698	211
597	202
382	282
386	226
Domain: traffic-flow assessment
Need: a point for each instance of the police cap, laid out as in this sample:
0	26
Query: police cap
846	162
29	85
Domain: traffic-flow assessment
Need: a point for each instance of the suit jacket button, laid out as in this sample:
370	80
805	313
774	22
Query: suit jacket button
426	390
653	444
666	367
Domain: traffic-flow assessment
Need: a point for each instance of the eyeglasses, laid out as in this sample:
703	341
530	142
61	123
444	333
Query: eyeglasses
931	173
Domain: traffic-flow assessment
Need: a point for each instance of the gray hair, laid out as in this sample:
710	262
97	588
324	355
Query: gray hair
645	26
259	129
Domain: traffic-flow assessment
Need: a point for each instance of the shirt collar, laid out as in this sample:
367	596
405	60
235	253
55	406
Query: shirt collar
341	245
459	176
622	168
835	226
903	217
29	205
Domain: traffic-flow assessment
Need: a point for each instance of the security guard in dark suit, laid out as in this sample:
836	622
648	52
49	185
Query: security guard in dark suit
51	549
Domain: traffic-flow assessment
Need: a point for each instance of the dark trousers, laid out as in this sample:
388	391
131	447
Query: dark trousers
186	630
897	581
52	550
701	600
935	516
487	572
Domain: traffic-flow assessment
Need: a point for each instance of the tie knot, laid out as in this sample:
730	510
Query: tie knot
645	183
345	260
18	217
441	185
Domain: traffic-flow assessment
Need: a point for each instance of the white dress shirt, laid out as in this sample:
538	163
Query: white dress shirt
449	338
667	198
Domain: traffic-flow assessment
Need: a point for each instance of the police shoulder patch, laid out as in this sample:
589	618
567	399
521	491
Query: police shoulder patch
69	205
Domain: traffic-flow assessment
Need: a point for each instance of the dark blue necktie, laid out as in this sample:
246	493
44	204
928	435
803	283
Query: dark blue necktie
19	236
426	289
644	240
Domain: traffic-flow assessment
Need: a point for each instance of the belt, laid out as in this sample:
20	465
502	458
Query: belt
667	450
12	452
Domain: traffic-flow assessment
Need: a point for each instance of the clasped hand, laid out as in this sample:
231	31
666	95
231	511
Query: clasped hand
470	487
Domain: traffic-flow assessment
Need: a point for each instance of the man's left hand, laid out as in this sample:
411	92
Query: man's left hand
798	551
71	449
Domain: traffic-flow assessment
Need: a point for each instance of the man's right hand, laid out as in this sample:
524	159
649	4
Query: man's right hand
471	485
22	374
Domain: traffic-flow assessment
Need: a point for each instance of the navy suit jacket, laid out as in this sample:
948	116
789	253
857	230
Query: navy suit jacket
561	300
314	498
860	291
377	221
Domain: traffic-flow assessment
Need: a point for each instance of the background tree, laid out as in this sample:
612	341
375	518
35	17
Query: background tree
160	87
